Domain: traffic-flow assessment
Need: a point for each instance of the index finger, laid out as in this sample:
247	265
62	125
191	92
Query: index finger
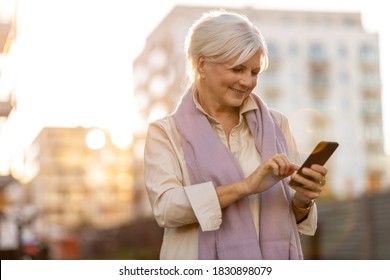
319	168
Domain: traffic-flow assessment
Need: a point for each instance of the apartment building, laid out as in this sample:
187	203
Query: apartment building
324	74
80	180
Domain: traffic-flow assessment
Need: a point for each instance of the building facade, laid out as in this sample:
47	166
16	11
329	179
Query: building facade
77	183
324	75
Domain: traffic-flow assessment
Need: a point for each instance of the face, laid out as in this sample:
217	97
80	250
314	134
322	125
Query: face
223	87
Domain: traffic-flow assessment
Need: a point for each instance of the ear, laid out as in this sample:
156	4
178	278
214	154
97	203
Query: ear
201	66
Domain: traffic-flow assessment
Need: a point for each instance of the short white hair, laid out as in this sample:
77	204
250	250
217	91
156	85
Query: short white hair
219	36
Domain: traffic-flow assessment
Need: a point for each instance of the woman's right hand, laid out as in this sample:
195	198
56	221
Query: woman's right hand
264	177
269	173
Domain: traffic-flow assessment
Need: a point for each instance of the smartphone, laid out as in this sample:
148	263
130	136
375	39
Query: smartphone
320	155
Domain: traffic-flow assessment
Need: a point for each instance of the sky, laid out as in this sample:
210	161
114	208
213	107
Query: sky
71	63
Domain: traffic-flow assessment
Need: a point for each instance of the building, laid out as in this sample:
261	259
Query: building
80	180
323	74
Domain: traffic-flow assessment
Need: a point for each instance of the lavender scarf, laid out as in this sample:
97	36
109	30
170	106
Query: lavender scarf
208	159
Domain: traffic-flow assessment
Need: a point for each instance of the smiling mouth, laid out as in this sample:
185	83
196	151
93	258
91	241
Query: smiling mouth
237	91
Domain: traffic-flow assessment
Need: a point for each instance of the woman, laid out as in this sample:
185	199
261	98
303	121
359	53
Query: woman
216	171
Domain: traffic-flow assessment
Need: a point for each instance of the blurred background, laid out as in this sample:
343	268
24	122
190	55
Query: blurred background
81	80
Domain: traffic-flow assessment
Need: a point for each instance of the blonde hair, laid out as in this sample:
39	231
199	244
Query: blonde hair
219	36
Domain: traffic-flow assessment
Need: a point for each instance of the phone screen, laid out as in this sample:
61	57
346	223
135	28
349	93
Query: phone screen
320	155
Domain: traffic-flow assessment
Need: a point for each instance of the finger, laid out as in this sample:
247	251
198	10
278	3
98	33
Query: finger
316	176
319	168
309	184
282	162
321	181
295	167
273	166
285	166
306	192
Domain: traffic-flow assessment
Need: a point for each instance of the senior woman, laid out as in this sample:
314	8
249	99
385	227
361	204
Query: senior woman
217	170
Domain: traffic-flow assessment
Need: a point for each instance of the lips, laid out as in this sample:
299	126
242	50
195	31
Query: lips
237	91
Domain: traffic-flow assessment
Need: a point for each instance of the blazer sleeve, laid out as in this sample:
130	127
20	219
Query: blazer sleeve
175	202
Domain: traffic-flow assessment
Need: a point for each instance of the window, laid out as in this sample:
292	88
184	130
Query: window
350	22
368	53
317	52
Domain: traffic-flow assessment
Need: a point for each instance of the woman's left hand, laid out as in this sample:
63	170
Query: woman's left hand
311	188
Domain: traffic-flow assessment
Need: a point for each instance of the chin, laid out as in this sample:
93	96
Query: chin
236	103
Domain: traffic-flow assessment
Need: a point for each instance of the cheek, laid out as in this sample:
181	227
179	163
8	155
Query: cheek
254	82
228	79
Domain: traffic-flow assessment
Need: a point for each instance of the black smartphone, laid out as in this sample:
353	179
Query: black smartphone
320	155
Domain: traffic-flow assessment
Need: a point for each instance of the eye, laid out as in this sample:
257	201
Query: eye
237	69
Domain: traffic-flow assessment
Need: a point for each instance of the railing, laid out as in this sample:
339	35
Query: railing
353	229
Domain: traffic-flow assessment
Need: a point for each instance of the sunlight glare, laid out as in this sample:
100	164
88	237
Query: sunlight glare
95	139
122	138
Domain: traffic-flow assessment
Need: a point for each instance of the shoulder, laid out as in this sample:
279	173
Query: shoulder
166	123
255	101
164	128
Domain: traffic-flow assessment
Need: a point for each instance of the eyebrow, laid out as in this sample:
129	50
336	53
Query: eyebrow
242	65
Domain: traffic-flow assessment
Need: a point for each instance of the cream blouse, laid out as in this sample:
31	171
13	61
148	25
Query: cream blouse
180	207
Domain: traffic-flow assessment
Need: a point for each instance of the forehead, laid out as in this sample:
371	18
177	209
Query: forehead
252	62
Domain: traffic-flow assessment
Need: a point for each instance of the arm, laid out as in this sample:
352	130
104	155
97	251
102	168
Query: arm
264	177
305	195
174	202
176	205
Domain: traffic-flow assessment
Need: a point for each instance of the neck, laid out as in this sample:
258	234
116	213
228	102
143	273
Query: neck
215	109
228	117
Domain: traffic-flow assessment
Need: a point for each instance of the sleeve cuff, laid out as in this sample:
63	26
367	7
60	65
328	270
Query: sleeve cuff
205	204
309	225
